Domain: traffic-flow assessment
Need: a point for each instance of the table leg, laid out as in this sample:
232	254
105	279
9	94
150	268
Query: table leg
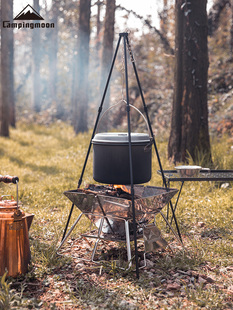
177	227
178	197
168	185
173	211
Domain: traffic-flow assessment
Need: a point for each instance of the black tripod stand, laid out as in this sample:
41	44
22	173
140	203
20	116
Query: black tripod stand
127	47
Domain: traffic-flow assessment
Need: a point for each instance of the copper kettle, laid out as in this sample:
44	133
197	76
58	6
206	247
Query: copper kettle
14	241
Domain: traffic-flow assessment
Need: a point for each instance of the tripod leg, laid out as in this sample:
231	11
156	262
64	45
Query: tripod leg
70	231
128	243
68	221
125	35
168	224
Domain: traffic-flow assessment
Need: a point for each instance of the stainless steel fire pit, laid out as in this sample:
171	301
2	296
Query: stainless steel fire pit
113	216
149	201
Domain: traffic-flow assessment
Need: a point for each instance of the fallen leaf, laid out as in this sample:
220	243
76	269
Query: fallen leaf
173	286
201	280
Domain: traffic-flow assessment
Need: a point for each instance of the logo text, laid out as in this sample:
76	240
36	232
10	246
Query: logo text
8	24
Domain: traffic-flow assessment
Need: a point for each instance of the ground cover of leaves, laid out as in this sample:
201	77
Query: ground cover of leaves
48	161
172	279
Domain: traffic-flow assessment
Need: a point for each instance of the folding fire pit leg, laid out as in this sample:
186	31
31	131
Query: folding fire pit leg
70	231
127	236
97	241
128	246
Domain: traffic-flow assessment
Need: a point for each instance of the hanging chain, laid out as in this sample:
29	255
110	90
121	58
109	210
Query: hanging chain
123	62
122	70
130	51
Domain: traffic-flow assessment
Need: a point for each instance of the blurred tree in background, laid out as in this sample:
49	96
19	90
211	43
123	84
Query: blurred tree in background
60	95
52	59
36	62
190	111
82	86
107	51
7	103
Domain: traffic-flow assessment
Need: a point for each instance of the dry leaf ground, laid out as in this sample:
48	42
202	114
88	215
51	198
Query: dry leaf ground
48	161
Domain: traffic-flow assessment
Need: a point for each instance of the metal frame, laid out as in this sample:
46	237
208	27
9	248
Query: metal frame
127	47
96	234
204	175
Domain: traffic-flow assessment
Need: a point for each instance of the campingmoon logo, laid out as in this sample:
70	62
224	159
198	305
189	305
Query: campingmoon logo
28	13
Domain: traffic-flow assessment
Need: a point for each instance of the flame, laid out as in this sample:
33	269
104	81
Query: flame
123	187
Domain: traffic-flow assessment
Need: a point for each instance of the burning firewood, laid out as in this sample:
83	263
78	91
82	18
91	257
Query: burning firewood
120	191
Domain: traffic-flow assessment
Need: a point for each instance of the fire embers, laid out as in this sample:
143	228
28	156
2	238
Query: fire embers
119	191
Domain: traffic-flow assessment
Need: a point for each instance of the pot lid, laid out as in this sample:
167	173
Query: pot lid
121	137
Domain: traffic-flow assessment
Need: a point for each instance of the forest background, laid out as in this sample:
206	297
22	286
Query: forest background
40	80
42	144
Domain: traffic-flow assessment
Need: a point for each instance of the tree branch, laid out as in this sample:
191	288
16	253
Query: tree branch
214	15
163	39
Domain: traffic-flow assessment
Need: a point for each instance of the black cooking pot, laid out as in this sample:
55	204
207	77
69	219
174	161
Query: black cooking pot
111	158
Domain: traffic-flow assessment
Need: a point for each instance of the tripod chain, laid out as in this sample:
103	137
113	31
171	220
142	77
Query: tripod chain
130	51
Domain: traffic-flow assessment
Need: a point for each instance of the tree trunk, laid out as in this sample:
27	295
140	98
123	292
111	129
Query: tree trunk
53	50
189	134
231	32
107	46
80	120
7	92
98	26
36	59
11	68
214	15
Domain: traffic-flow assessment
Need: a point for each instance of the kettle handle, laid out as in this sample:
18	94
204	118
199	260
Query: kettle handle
14	180
9	179
12	198
113	106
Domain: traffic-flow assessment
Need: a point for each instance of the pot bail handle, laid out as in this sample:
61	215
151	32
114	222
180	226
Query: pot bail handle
148	147
132	106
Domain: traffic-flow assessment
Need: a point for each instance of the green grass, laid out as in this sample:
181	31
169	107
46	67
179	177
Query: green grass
48	161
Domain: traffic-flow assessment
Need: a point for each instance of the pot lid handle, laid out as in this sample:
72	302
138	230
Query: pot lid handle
132	106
